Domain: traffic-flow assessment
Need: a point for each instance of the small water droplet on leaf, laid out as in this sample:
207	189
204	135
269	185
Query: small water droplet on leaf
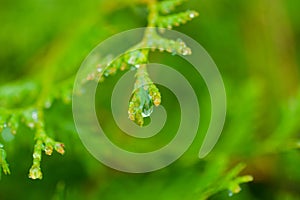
34	115
147	111
99	69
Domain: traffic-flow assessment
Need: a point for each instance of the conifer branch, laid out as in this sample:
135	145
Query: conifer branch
230	182
3	162
146	94
24	102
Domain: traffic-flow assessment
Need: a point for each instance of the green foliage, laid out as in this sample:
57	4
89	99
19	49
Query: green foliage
176	19
145	93
3	162
230	182
145	96
43	49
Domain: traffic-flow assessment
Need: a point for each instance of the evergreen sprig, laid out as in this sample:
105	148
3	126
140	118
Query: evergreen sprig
25	102
3	162
145	93
176	19
231	182
14	112
145	96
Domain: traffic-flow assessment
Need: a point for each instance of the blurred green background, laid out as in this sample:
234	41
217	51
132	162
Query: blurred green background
255	45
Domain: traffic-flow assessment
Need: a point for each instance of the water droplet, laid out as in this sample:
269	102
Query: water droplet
230	193
34	115
106	73
30	125
4	125
131	60
99	69
147	111
192	15
137	66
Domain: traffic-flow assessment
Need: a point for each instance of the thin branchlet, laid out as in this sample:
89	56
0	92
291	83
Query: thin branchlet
25	103
145	94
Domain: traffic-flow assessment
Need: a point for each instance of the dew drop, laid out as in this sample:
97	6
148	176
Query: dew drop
34	115
230	193
106	74
30	125
192	15
137	66
131	60
147	111
99	69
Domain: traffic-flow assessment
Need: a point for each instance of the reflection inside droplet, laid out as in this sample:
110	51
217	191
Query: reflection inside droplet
147	110
34	115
